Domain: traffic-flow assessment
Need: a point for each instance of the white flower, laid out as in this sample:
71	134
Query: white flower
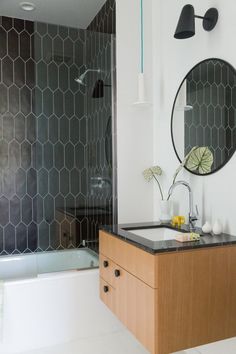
156	170
150	172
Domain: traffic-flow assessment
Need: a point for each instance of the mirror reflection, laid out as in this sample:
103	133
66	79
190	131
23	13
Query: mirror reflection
203	117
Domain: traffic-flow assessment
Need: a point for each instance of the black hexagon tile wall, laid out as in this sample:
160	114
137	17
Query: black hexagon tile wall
53	135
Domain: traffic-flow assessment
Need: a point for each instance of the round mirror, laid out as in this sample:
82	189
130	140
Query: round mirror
203	123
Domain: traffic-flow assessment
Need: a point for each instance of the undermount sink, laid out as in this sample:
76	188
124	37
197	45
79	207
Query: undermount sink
156	234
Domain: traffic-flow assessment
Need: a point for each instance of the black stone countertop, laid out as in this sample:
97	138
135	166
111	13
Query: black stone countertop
126	232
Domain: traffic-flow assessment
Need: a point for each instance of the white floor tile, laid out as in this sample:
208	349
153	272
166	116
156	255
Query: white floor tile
123	342
117	343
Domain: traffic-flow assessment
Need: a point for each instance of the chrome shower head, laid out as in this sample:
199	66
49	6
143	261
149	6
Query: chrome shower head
80	79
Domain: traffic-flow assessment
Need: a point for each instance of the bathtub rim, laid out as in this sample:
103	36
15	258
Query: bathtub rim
47	274
38	253
50	276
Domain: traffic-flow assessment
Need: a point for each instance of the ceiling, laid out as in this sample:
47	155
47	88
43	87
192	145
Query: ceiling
72	13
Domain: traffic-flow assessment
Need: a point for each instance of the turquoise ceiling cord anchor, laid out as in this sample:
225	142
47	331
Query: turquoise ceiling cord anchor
142	37
141	80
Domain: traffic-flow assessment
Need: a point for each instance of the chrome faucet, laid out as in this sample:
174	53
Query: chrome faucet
192	217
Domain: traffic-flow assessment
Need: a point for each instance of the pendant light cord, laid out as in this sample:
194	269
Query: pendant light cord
142	37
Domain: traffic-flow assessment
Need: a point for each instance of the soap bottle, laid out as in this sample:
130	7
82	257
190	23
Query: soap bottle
217	227
207	228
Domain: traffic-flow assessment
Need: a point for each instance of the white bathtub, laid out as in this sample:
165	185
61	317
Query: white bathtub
44	309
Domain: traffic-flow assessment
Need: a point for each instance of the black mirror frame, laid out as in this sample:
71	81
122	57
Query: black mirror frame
172	115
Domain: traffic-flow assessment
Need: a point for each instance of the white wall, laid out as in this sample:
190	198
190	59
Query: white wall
134	125
144	136
214	194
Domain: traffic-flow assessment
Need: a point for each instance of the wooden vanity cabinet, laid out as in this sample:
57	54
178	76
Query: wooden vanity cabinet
170	301
130	299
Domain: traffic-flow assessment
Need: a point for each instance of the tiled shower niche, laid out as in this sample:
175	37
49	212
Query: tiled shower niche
46	195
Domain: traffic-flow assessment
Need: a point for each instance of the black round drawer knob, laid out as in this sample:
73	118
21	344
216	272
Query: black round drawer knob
117	273
106	289
105	264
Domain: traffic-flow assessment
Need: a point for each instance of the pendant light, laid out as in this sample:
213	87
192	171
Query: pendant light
142	101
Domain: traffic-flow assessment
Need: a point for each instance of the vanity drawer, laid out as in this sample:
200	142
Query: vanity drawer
141	264
107	269
108	295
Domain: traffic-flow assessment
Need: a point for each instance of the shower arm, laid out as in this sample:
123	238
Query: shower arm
82	76
90	70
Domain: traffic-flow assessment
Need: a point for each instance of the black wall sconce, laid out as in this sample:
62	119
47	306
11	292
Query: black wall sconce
98	90
186	25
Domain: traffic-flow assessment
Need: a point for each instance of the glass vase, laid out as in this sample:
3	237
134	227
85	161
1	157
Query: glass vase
165	209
